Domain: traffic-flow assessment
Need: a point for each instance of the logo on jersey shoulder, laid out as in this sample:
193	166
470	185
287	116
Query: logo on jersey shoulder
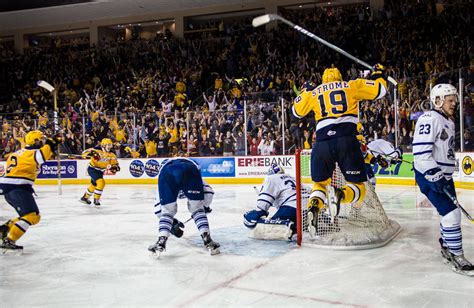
467	165
331	133
444	135
136	168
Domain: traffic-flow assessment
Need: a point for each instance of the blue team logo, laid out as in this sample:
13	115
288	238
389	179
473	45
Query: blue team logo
136	168
152	168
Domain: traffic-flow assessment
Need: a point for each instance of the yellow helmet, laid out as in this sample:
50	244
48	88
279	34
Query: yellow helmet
33	136
106	143
331	74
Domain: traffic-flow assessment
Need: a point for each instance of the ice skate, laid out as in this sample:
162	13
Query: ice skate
159	247
212	246
96	203
334	197
4	231
461	265
445	252
8	246
85	200
313	211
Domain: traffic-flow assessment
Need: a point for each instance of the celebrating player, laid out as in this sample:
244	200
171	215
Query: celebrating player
279	191
22	168
101	158
335	107
434	162
181	174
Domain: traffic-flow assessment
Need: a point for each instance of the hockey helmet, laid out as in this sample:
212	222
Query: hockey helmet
275	169
106	144
441	91
331	74
33	136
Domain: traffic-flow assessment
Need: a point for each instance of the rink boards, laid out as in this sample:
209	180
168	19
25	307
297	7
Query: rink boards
235	170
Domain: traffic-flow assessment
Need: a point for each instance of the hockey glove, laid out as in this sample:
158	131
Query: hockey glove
177	228
95	155
378	72
54	141
251	217
382	161
114	169
207	209
437	180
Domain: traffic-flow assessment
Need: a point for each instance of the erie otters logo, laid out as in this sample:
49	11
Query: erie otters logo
467	165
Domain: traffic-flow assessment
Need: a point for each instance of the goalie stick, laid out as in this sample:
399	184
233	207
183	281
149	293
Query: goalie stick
456	202
264	19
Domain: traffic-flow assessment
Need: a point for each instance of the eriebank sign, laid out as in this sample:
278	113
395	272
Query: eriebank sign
257	166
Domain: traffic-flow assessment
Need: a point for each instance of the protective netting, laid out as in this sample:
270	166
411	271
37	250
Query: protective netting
356	227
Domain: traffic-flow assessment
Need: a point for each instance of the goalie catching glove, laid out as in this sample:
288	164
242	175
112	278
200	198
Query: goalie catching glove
54	141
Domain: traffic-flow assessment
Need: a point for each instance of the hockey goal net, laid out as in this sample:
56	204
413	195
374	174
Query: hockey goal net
356	227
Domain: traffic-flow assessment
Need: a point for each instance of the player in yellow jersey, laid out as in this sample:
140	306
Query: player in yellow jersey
101	159
335	107
22	168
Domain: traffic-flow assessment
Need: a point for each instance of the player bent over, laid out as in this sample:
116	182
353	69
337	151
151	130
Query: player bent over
434	163
175	175
22	168
101	158
279	191
177	227
335	107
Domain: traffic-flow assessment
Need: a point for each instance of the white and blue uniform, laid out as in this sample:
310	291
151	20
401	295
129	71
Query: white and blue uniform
279	191
181	175
434	162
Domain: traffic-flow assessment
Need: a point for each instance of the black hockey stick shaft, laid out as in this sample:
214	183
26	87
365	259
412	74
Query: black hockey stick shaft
456	202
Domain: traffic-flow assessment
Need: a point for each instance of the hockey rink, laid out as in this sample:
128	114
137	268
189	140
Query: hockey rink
81	256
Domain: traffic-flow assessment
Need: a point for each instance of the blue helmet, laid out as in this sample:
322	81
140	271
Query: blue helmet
275	169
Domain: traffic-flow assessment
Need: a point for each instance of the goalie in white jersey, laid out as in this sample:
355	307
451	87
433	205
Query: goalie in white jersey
381	152
434	162
279	191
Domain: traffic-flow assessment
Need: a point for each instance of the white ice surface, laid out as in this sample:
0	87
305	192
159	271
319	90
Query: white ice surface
85	257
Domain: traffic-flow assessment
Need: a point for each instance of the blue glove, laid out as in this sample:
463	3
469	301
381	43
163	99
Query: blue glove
436	177
177	228
251	217
207	209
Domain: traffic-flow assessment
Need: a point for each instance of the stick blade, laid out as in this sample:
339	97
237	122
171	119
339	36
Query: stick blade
45	85
261	20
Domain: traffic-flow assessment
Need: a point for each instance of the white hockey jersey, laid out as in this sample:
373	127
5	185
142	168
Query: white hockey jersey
433	143
276	191
381	147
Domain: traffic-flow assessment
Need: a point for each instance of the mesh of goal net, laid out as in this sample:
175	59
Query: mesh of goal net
361	226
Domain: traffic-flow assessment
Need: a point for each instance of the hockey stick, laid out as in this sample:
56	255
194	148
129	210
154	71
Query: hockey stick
47	86
386	156
256	190
70	155
456	202
264	19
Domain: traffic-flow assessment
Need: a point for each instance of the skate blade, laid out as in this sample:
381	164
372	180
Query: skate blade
84	202
155	254
466	273
11	252
214	251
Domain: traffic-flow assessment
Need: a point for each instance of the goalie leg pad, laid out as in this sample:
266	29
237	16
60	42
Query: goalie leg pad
273	229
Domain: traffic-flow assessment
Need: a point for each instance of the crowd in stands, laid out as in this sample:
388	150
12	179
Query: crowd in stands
168	96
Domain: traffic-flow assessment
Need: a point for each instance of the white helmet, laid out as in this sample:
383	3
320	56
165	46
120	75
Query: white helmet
441	90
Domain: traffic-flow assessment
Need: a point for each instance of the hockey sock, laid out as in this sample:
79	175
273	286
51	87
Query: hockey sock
21	224
166	223
89	191
200	219
451	231
353	192
318	193
97	194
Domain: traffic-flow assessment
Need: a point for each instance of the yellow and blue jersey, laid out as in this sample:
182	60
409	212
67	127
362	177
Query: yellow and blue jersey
105	158
335	105
24	165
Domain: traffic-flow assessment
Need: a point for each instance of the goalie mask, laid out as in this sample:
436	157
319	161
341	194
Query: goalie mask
275	169
441	91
